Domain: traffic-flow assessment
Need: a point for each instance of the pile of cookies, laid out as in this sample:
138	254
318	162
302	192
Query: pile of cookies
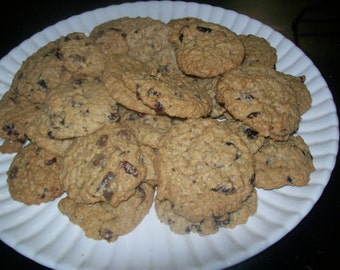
187	115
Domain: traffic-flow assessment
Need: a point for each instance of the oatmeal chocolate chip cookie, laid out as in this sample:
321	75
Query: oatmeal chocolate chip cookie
203	165
287	163
204	49
137	87
181	225
33	176
110	39
150	45
148	128
79	106
101	221
81	56
257	50
124	25
55	62
14	115
264	99
39	131
112	36
40	71
103	166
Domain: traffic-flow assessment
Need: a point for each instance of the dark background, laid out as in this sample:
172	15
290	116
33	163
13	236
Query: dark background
313	244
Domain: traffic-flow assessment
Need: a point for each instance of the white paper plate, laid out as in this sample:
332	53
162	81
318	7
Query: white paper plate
43	234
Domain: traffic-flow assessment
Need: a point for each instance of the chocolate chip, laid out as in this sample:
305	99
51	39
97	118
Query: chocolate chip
102	141
253	115
142	194
224	189
13	172
58	54
107	234
203	29
124	134
50	135
105	186
153	92
99	160
159	107
250	133
221	220
138	96
51	161
10	129
129	168
289	179
43	85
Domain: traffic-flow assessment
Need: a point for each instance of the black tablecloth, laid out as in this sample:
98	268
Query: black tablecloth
313	243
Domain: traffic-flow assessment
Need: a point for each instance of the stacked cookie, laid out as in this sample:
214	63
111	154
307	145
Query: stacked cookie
186	114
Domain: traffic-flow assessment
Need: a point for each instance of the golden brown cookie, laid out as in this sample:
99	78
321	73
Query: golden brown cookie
101	221
204	49
103	166
257	50
279	164
203	165
264	99
132	84
33	176
79	106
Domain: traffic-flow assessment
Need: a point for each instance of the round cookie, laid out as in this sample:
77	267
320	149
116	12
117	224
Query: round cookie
81	56
179	224
203	165
56	62
262	98
41	71
204	49
137	87
110	38
279	164
101	221
257	50
103	166
33	176
150	45
79	106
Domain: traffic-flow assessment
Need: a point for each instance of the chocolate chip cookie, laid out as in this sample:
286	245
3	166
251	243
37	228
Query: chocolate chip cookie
204	49
287	163
101	221
103	166
264	99
79	106
33	176
205	166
